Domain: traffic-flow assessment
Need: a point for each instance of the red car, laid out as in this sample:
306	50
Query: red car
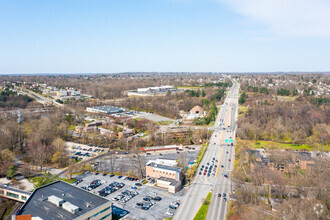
229	160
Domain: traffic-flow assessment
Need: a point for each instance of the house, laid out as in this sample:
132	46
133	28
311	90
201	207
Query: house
197	110
169	177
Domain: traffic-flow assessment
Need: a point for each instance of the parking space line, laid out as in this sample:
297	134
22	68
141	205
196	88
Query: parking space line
165	193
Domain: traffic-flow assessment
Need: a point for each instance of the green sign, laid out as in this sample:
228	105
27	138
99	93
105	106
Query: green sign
231	141
226	140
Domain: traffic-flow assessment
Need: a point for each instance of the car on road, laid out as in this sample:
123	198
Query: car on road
226	152
120	177
219	194
111	175
229	160
138	184
225	175
224	199
224	194
222	166
139	204
200	173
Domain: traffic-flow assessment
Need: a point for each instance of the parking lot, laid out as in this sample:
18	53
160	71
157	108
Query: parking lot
139	200
83	151
125	163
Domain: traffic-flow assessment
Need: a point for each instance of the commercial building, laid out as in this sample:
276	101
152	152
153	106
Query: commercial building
169	177
69	92
151	91
155	89
106	109
13	193
178	132
160	148
61	200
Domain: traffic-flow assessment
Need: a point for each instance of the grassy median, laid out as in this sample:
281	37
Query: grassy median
202	212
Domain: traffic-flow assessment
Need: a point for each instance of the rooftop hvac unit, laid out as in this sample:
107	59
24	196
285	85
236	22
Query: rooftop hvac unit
70	207
55	200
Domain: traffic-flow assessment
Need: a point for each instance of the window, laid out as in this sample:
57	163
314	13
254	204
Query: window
106	216
105	210
23	197
12	195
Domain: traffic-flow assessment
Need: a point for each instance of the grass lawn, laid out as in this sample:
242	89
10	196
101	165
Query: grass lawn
283	146
286	98
68	180
202	212
164	122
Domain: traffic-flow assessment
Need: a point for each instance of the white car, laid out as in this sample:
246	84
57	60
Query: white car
169	213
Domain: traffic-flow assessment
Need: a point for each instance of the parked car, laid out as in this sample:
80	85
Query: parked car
157	198
169	213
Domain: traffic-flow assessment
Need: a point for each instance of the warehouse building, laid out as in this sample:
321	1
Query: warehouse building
106	109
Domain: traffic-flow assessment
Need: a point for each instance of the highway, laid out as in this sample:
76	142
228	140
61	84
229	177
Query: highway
224	128
38	97
218	206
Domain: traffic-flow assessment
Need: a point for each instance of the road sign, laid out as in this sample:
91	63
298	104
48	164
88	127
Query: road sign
226	140
231	141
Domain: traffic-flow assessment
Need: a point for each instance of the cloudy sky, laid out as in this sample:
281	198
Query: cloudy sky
97	36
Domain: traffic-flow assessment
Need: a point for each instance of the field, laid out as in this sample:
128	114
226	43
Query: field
283	146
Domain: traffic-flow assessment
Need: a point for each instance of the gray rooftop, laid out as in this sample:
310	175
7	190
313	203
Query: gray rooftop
177	169
108	109
172	181
38	205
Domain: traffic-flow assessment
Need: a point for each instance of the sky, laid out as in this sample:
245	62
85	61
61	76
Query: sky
107	36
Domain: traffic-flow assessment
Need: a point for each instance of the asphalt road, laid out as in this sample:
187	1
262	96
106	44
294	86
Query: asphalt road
218	206
202	185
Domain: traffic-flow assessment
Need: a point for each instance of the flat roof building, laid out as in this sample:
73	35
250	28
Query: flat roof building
169	177
106	109
159	148
61	200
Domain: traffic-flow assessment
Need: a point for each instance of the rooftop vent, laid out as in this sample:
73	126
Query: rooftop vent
55	200
70	207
